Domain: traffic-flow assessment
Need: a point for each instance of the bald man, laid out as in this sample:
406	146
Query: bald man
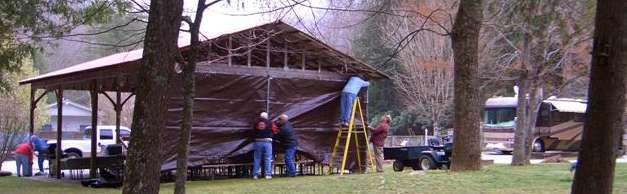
289	142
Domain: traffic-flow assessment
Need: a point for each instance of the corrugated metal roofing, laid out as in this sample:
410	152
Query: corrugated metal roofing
125	57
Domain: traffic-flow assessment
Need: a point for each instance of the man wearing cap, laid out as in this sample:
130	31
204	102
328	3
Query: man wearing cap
378	140
289	142
263	133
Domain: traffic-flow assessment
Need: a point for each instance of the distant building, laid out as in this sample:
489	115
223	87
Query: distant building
75	117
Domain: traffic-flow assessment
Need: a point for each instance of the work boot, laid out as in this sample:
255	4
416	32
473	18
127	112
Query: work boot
255	177
268	177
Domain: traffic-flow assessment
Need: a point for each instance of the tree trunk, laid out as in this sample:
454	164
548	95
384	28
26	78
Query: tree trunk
465	39
189	87
160	45
521	133
606	101
535	100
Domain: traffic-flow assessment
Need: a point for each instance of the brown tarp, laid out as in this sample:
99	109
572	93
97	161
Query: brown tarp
225	106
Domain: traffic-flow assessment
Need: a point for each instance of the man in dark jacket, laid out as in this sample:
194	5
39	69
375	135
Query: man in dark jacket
289	141
378	140
263	133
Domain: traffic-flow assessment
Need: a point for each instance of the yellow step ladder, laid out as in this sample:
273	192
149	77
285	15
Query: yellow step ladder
346	135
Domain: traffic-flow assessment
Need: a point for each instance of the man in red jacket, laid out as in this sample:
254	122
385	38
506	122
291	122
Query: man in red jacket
24	159
378	140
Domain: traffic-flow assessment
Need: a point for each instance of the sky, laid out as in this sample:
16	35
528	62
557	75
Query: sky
222	17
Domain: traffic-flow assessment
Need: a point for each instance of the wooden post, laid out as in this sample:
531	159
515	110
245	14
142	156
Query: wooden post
249	52
268	53
94	130
285	59
229	47
302	65
33	105
59	152
118	110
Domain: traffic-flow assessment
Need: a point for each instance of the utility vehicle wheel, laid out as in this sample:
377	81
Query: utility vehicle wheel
398	166
426	162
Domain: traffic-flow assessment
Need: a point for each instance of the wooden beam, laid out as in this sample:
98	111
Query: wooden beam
274	72
94	129
268	53
59	152
230	52
33	105
118	113
303	62
285	59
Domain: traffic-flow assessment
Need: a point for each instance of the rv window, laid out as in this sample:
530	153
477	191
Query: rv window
106	134
124	133
500	116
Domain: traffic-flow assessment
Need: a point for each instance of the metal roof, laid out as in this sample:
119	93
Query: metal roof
568	105
121	59
560	104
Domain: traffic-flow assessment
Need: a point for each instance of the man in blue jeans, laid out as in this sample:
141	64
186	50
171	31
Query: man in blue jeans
349	93
289	142
41	146
263	133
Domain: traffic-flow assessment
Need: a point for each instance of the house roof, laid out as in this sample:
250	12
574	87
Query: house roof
69	109
121	65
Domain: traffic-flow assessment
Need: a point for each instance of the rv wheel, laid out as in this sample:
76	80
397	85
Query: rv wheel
538	146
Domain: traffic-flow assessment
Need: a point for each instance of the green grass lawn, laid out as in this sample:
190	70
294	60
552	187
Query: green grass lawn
547	178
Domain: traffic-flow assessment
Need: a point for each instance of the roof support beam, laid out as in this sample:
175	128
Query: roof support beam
268	53
94	128
274	72
59	152
285	59
230	50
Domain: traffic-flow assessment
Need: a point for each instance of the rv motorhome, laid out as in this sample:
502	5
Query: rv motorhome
559	124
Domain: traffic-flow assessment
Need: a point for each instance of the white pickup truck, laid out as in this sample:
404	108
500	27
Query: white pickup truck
106	135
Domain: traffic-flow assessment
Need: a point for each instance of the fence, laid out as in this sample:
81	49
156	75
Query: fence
408	140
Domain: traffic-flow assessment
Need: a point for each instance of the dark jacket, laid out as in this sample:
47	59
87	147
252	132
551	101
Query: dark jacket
379	134
286	135
262	128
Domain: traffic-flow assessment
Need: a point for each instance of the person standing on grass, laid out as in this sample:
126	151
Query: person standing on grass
289	141
24	159
41	147
263	133
349	93
378	140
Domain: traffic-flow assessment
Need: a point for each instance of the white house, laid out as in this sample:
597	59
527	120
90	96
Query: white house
75	116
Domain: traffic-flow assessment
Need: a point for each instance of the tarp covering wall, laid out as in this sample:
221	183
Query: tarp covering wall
226	105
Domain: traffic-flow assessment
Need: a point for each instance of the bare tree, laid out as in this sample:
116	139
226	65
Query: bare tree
426	78
604	122
144	159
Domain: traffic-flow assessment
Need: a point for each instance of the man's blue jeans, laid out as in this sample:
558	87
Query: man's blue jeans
290	160
346	106
23	165
265	148
40	162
